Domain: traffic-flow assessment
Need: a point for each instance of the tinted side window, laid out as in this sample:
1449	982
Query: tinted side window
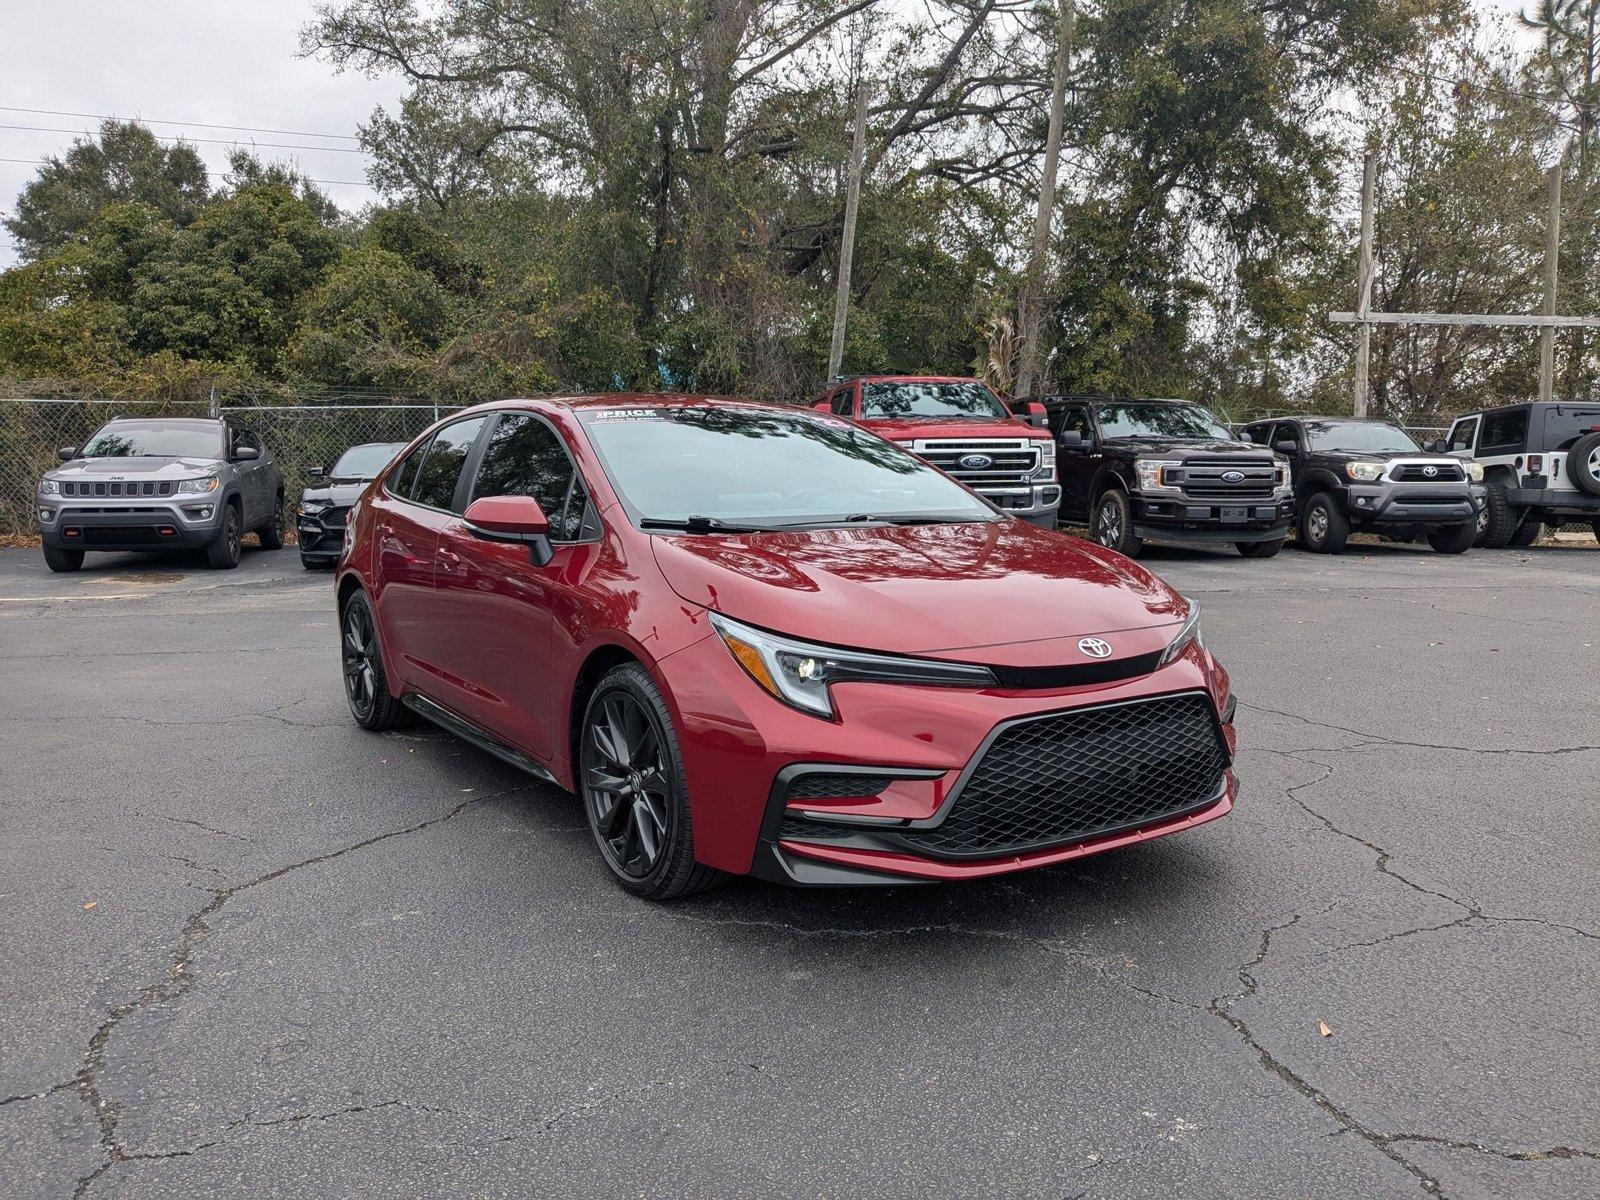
524	457
406	475
1461	435
1286	432
843	402
447	454
1075	420
1507	429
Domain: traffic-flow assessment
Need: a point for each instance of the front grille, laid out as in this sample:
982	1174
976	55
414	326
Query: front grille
116	487
837	786
1203	479
1086	773
1418	473
1011	462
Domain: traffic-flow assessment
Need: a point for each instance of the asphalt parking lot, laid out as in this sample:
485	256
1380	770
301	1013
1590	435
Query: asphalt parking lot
250	949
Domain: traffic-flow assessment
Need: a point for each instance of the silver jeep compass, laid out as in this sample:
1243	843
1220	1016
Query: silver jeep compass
157	484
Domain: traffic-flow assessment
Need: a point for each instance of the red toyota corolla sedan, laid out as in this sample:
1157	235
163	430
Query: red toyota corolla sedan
761	640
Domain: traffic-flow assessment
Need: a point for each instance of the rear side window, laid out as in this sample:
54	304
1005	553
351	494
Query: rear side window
1462	435
1565	423
1506	429
405	475
524	457
441	468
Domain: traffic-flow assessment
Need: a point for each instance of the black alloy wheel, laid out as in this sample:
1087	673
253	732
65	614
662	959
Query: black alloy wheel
228	549
366	686
271	534
1112	523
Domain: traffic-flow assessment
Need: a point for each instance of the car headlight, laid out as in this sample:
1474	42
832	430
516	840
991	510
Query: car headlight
1190	632
52	487
800	673
206	483
310	508
1364	471
1150	474
1474	471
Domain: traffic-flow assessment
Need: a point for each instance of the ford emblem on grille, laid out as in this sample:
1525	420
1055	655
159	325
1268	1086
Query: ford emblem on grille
1233	477
975	462
1094	647
1430	470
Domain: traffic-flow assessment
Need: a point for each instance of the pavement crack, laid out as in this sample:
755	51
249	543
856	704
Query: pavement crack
1541	1155
238	837
178	980
1378	739
248	1121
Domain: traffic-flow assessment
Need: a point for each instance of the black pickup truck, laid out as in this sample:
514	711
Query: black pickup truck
1168	471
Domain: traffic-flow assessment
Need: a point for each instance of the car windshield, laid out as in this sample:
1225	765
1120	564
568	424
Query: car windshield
1365	436
364	462
1145	420
704	468
931	402
156	439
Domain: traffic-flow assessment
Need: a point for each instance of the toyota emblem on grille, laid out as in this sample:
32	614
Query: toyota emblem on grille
1094	647
976	462
1430	470
1233	477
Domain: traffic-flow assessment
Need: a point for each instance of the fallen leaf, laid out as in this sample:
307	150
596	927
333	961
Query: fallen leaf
383	760
469	789
1322	1028
90	905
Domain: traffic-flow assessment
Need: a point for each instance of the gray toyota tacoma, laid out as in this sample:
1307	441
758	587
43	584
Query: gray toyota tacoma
159	484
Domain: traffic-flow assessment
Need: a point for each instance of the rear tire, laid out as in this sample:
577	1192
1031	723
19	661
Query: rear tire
1111	524
1259	549
1324	529
366	685
271	534
224	553
1501	517
1583	464
62	561
1456	539
1528	532
635	797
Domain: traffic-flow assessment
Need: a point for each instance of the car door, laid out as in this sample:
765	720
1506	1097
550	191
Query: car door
496	610
1074	468
1289	441
408	515
248	473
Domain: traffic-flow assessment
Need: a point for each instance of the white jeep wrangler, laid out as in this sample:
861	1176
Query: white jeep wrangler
1541	466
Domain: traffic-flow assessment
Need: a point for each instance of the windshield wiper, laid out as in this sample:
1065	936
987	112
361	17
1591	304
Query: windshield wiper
695	523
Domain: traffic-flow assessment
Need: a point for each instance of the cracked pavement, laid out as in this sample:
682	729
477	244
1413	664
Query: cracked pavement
252	949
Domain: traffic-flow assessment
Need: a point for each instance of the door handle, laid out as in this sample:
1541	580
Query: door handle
448	560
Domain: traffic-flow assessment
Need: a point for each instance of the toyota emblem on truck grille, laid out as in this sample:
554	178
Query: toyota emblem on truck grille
976	462
1233	477
1430	470
1094	647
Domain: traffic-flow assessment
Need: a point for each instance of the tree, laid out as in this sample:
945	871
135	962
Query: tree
125	163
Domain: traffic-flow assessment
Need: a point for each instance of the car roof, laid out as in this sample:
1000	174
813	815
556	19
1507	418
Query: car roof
174	422
909	379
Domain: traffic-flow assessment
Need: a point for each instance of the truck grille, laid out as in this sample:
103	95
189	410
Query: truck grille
1418	473
117	488
1203	479
1010	463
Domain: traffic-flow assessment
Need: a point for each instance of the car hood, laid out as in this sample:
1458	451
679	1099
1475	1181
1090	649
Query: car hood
133	468
1421	456
1182	446
336	491
1004	593
916	430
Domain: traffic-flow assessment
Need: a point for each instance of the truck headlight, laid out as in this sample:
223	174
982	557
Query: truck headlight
1365	472
310	508
206	483
1151	474
49	487
1188	633
1474	471
800	673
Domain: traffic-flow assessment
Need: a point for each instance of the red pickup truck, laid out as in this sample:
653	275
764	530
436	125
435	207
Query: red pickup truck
961	427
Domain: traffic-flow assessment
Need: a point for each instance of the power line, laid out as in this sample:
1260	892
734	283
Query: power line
39	162
53	112
214	141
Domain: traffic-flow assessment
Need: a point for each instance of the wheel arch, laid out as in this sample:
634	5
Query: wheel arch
599	660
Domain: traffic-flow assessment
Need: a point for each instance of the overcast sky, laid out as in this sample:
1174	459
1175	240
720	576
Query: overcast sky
218	62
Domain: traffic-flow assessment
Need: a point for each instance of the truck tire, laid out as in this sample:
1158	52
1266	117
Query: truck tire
1501	517
1583	464
60	560
225	552
1528	532
1111	524
1259	549
1454	539
1324	529
271	534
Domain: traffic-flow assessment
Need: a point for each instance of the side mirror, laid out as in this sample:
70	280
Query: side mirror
822	406
511	519
1244	436
67	453
245	454
1034	414
1285	446
1071	439
316	472
1438	446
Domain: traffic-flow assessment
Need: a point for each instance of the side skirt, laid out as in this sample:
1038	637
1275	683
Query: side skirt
468	732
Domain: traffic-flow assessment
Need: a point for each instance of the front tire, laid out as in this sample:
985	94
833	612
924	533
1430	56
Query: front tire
62	561
271	534
1528	532
1259	549
366	685
1501	517
1112	523
1324	529
634	794
224	553
1456	539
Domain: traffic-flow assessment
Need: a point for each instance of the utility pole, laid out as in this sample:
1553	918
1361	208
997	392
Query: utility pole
847	246
1031	302
1369	172
1552	255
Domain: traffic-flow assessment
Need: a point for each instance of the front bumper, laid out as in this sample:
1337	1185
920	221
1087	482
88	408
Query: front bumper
1414	504
133	524
1184	521
1038	505
743	751
322	534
